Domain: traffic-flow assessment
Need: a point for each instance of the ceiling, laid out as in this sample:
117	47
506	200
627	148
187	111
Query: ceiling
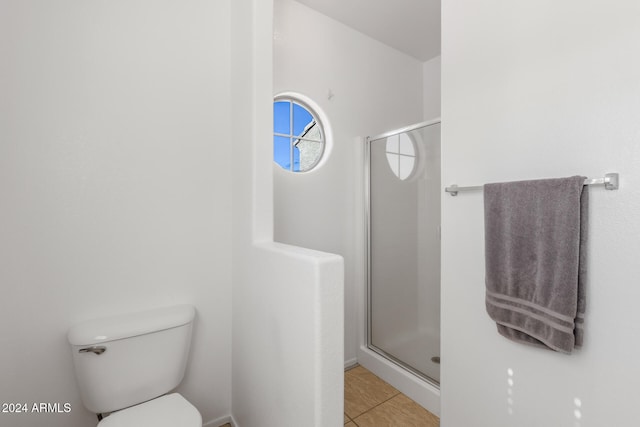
410	26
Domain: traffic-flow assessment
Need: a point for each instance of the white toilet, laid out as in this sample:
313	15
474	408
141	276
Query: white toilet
125	364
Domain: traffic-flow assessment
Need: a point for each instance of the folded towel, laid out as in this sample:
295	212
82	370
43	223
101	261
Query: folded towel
535	253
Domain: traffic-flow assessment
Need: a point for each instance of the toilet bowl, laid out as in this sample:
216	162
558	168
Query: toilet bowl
171	410
126	365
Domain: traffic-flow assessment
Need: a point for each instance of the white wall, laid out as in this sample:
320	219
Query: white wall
375	89
288	328
431	88
114	186
535	89
117	195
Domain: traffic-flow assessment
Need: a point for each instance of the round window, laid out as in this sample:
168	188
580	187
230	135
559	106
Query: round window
401	155
298	137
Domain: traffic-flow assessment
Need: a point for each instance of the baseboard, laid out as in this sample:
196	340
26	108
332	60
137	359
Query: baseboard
350	363
221	421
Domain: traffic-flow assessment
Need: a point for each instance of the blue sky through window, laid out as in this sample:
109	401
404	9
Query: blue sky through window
301	119
281	117
282	153
282	145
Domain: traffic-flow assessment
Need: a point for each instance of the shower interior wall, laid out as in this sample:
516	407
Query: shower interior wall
429	248
365	88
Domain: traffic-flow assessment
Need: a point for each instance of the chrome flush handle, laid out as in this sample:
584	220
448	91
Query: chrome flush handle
99	349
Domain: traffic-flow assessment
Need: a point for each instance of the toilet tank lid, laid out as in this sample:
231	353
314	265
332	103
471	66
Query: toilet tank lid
130	325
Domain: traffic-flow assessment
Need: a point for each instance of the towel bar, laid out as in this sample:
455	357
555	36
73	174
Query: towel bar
610	182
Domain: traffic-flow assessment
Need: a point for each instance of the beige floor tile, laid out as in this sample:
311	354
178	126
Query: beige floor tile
346	418
399	411
363	390
350	424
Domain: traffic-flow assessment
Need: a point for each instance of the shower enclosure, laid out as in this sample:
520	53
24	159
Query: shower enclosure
403	191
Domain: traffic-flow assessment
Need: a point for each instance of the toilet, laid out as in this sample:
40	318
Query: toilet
125	366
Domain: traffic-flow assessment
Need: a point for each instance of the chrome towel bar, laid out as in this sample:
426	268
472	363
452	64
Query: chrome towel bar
610	182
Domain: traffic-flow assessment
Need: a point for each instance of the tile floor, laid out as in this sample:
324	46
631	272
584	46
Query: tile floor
371	402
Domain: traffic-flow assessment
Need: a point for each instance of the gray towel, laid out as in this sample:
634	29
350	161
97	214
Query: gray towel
535	253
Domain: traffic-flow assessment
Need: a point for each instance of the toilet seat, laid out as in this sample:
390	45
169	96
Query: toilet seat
171	410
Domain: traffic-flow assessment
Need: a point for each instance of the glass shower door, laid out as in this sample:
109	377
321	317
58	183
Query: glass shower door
404	249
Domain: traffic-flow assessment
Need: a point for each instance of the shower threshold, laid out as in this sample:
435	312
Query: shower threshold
406	366
421	390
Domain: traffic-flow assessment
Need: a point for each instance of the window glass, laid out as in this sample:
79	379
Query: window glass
298	139
302	119
282	151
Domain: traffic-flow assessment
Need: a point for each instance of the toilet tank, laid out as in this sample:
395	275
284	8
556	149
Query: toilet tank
124	360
